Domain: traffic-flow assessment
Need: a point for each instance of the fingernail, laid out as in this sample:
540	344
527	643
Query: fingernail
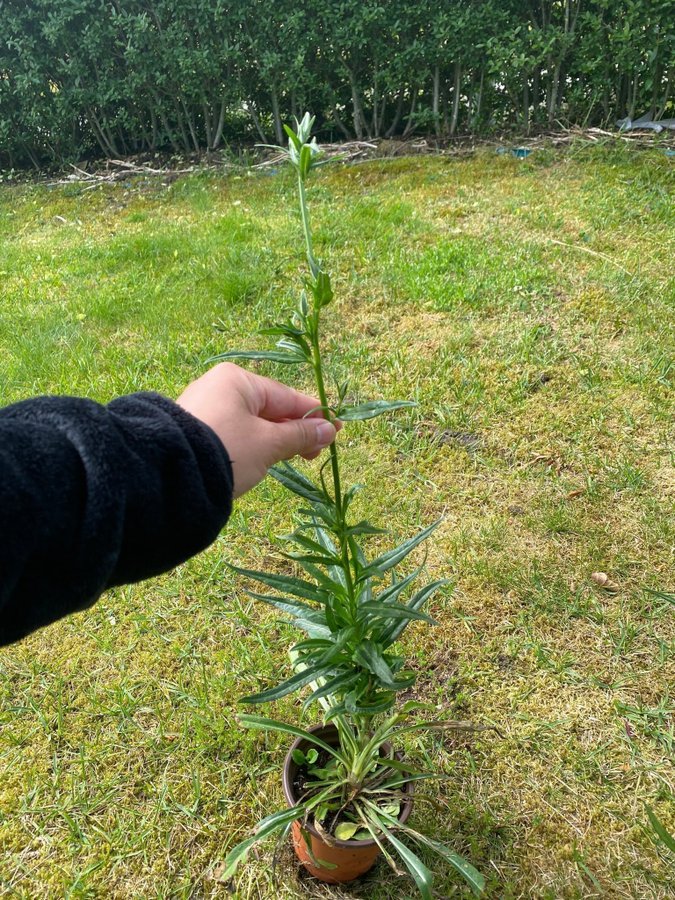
325	434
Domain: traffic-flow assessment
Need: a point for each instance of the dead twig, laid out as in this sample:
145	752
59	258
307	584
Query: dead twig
592	253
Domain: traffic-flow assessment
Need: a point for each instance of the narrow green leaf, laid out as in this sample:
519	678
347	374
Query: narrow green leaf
295	481
364	528
311	629
312	644
294	344
300	679
291	607
369	709
273	147
287	583
312	558
289	359
471	875
391	593
421	875
332	686
402	780
307	543
336	572
665	836
282	328
370	657
416	602
394	557
335	712
323	511
399	765
377	611
266	827
668	596
263	724
371	409
292	137
333	589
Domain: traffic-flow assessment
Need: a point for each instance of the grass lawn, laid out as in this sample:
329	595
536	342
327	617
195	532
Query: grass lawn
529	307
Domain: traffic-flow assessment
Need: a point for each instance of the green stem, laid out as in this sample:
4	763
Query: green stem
304	212
323	397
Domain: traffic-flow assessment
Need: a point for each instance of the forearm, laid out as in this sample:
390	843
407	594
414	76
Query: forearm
94	496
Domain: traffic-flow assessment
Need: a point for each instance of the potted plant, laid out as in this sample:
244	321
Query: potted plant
348	787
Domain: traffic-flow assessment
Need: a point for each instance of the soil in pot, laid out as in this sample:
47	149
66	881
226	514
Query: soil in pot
345	860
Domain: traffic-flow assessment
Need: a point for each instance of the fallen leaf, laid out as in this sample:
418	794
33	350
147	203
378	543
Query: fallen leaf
578	493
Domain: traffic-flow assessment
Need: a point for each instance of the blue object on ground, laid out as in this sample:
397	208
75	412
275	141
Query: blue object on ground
669	152
518	152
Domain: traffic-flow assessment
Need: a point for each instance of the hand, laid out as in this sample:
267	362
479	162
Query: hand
259	421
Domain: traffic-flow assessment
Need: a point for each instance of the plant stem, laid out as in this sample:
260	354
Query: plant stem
304	212
323	397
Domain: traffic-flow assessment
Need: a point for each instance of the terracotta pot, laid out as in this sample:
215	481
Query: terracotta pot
351	858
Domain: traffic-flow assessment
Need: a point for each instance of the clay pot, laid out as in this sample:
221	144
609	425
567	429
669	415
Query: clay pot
351	858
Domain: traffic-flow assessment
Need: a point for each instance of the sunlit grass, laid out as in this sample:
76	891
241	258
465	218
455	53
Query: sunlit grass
528	306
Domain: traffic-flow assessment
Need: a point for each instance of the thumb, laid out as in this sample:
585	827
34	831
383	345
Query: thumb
301	437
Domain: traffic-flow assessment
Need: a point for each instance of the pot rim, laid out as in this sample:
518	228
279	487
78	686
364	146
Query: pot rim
292	800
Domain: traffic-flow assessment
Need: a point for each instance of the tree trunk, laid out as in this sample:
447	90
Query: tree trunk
33	158
218	136
373	119
668	90
526	104
155	131
206	112
104	138
435	103
381	116
181	126
622	95
278	127
123	144
410	124
357	113
391	131
475	120
250	109
191	125
457	83
341	125
553	95
165	124
656	89
633	97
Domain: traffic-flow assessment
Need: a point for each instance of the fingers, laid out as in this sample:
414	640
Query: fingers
300	437
277	401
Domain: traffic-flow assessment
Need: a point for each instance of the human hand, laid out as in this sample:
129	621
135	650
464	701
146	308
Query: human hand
259	421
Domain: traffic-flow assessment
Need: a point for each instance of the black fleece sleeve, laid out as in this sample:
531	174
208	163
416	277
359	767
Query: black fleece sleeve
94	496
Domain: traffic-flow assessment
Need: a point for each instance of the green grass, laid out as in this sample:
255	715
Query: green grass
528	306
